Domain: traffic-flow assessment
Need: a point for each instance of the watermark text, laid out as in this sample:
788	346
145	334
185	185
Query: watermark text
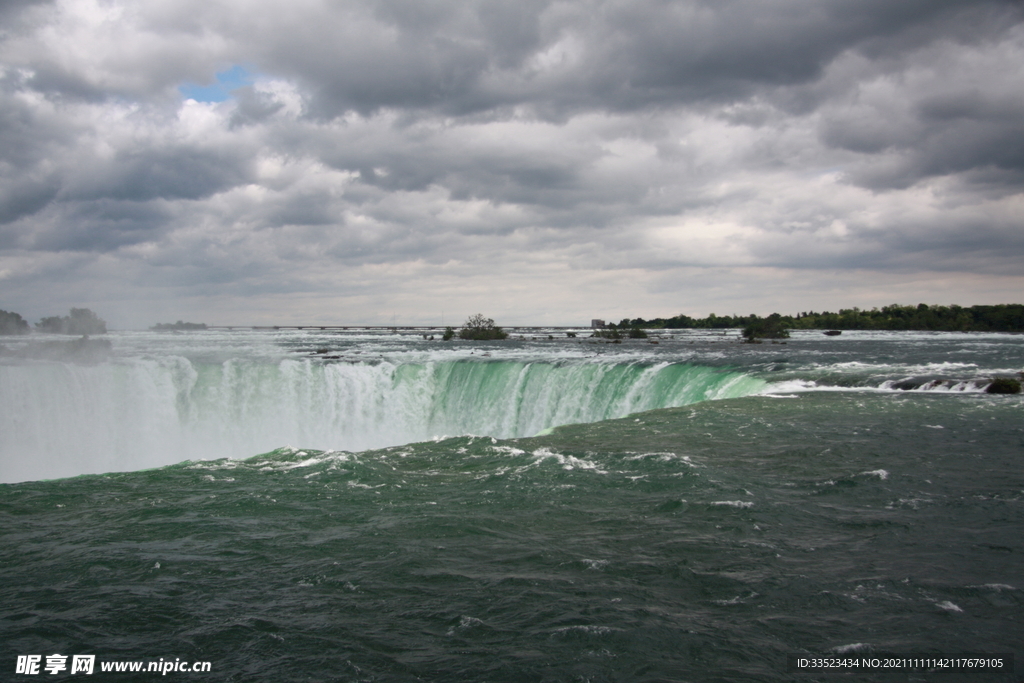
31	665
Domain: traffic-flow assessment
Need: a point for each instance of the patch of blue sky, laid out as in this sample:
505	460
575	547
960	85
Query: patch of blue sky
231	79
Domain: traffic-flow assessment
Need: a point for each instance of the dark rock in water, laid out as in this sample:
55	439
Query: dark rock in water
833	333
1003	385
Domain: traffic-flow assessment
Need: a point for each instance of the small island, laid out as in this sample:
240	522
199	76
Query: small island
771	327
478	328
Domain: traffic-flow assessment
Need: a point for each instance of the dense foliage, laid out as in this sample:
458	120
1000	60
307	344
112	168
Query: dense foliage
12	323
478	327
998	318
79	321
771	327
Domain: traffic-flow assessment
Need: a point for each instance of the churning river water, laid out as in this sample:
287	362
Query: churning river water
376	506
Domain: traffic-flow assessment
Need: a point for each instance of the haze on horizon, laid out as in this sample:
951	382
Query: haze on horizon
541	161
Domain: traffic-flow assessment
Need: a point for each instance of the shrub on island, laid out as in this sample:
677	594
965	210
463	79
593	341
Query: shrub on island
479	328
765	328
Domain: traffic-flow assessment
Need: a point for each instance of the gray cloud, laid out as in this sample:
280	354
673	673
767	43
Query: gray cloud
253	107
387	150
178	172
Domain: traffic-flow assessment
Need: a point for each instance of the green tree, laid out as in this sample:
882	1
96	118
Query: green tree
771	327
478	328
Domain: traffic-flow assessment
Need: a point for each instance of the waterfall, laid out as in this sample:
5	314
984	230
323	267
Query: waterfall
63	419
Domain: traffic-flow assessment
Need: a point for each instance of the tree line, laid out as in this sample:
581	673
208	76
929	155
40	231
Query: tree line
997	318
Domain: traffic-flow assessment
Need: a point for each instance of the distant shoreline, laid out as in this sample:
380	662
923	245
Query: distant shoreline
896	318
919	318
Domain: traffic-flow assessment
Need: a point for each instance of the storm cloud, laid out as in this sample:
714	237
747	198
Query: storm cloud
540	161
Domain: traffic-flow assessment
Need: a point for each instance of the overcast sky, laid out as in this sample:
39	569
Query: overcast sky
363	161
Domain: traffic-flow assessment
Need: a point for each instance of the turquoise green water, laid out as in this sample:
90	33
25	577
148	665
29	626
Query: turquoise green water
62	419
697	543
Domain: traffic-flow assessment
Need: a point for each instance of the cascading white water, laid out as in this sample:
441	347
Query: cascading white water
62	419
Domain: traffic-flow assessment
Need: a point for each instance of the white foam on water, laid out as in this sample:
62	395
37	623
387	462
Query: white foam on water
568	462
738	600
797	386
912	503
951	386
465	622
507	450
663	457
794	385
852	647
589	630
